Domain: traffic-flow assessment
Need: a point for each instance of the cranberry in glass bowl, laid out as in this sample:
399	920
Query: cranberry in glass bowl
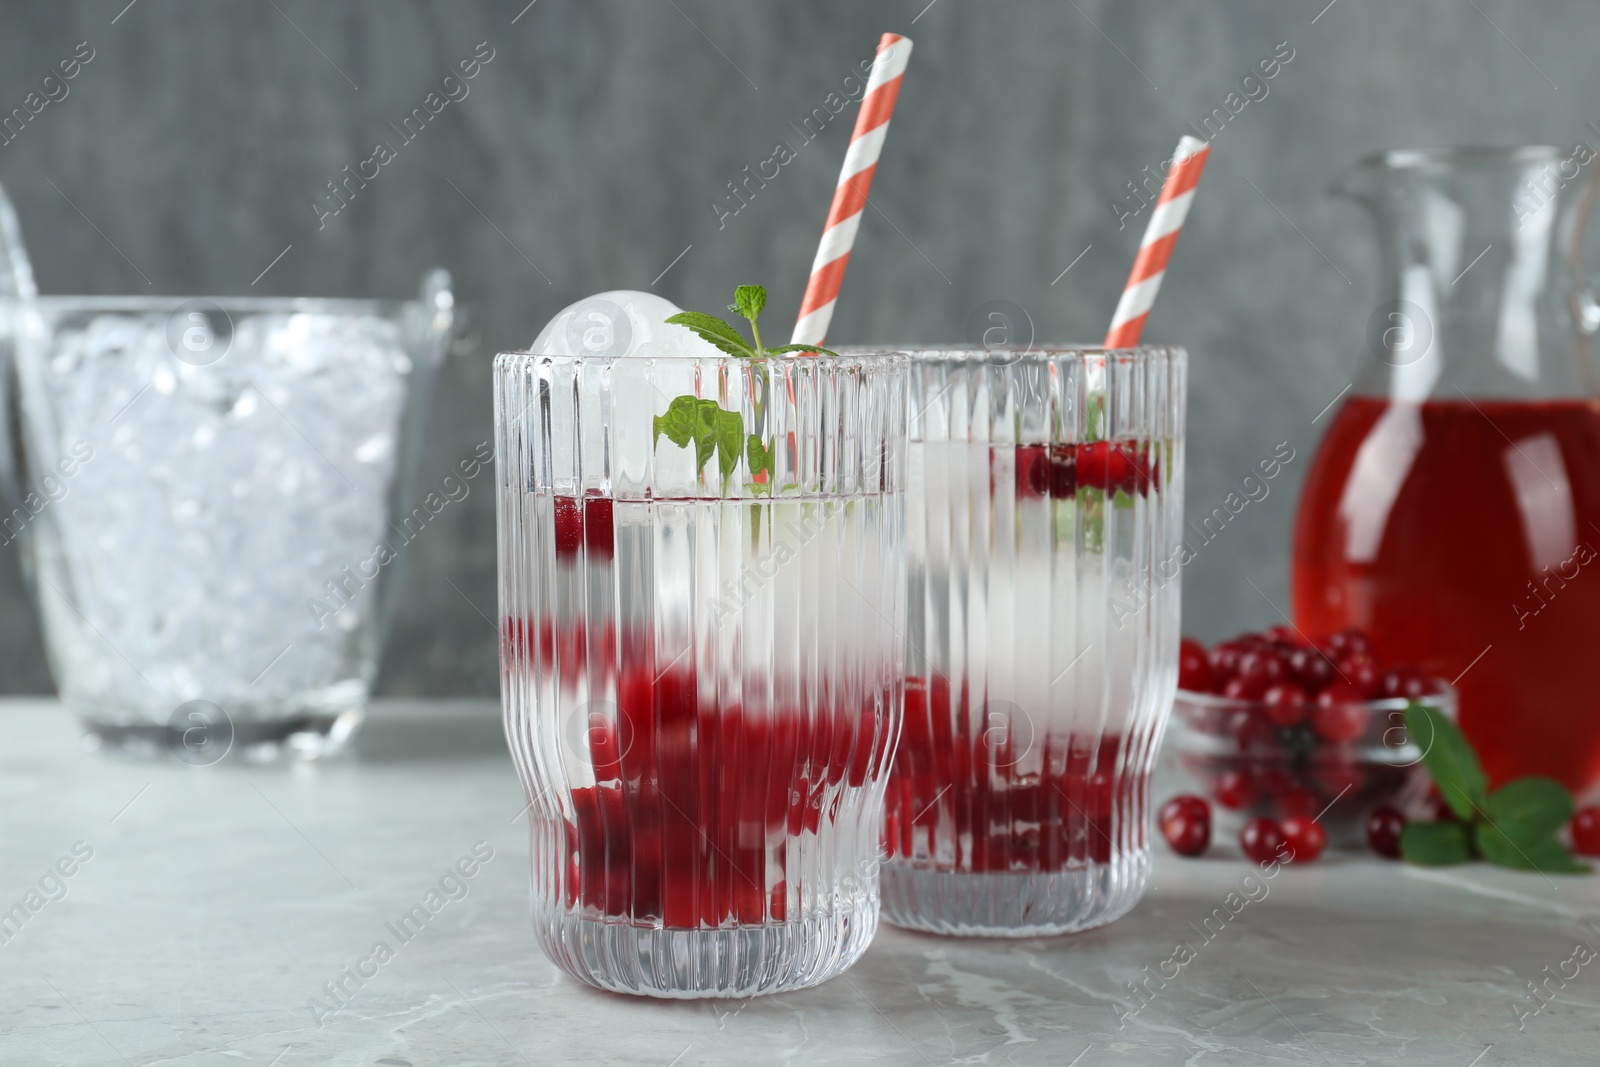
1287	722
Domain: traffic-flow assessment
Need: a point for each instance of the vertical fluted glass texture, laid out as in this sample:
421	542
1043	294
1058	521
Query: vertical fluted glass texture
1044	509
702	611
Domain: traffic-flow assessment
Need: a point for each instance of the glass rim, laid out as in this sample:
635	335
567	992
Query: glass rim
880	356
1006	355
1446	700
243	304
1461	155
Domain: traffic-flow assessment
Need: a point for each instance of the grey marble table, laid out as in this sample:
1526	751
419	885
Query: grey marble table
208	908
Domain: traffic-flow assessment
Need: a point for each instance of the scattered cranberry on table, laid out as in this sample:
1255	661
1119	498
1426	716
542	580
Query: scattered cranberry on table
1305	836
1586	832
1261	839
1384	827
1186	824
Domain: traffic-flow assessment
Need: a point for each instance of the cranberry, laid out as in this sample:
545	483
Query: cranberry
1384	827
569	527
1194	669
1238	689
1350	641
1439	809
1063	472
1340	714
1311	668
1337	776
1033	470
1186	824
1284	704
1586	832
1361	672
598	531
1235	789
1260	669
1305	836
1261	839
1225	661
1251	731
1275	781
1284	634
1298	801
1407	682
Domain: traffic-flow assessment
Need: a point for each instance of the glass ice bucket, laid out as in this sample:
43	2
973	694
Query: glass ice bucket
207	488
1044	529
702	600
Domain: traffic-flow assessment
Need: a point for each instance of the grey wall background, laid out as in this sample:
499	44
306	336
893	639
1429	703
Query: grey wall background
589	149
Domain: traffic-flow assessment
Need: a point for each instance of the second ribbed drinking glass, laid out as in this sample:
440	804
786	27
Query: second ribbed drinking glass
702	589
1044	512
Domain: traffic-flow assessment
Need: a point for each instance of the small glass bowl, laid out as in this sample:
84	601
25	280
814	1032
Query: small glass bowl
1228	751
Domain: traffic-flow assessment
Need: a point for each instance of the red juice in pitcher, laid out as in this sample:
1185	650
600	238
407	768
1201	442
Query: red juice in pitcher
1463	537
1453	508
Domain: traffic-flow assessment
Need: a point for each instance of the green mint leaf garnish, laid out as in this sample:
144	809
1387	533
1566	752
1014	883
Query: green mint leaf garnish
690	420
758	457
1542	853
714	330
1449	757
1529	808
781	349
1435	844
748	300
1515	826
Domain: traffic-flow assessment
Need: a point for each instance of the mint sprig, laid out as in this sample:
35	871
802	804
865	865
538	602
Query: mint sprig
705	425
1514	826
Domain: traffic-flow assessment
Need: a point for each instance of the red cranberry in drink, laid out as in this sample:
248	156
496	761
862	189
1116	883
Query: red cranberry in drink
598	532
1305	836
1361	672
1340	714
1194	668
1384	827
1284	704
1299	801
1033	470
1186	824
569	527
1235	789
1261	839
1063	471
1586	832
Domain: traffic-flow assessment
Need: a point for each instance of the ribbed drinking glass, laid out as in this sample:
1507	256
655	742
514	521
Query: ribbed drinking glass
702	600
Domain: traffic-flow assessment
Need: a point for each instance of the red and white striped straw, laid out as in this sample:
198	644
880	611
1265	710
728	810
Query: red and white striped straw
850	195
1177	193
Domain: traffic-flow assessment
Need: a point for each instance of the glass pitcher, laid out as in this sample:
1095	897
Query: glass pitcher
1453	508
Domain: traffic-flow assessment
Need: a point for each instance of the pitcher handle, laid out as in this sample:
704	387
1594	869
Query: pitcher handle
1584	302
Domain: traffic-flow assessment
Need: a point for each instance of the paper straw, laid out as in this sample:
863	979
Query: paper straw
850	195
1177	193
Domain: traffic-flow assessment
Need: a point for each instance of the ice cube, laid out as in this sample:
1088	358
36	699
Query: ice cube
621	322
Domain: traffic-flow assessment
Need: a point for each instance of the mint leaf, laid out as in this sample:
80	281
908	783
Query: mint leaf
748	300
758	455
781	349
1435	844
710	428
1449	757
1532	807
1537	852
714	330
728	433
